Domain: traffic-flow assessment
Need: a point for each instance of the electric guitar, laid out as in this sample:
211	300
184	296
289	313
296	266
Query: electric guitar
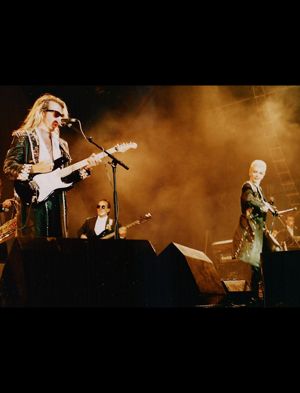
41	186
141	220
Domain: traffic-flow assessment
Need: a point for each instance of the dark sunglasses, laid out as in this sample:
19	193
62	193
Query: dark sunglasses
102	207
55	113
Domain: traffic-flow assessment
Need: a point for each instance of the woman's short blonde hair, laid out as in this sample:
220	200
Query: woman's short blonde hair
259	163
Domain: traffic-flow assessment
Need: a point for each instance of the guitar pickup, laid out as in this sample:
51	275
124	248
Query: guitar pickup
59	162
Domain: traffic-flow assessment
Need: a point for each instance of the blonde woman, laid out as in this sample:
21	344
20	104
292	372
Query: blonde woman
249	235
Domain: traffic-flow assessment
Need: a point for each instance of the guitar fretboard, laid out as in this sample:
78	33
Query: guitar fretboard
81	164
133	223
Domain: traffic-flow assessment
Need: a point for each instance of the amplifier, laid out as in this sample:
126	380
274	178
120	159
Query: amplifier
228	268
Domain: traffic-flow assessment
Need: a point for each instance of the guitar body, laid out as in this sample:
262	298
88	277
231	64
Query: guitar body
106	234
49	182
41	186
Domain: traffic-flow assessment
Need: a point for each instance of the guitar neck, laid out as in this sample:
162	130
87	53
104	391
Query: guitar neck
111	235
133	224
81	164
139	221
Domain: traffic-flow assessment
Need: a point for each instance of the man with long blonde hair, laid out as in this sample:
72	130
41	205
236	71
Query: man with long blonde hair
36	148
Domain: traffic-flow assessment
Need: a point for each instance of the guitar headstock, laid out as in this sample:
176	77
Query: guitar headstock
145	218
125	146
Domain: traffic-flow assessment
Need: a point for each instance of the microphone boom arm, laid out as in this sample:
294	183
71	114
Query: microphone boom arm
286	211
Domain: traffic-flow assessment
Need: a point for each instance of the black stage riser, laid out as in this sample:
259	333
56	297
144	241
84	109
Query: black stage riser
281	272
111	273
76	272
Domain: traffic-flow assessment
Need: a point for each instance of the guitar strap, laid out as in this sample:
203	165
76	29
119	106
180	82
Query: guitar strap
34	145
64	146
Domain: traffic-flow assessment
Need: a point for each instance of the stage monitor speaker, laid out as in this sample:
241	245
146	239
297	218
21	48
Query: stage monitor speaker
229	269
77	272
238	293
187	277
236	285
281	273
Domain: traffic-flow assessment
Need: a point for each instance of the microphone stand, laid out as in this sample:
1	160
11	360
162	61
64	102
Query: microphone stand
114	163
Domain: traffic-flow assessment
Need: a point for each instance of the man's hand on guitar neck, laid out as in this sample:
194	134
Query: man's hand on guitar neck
123	232
93	160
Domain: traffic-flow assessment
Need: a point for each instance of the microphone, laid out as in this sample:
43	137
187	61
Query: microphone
68	122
